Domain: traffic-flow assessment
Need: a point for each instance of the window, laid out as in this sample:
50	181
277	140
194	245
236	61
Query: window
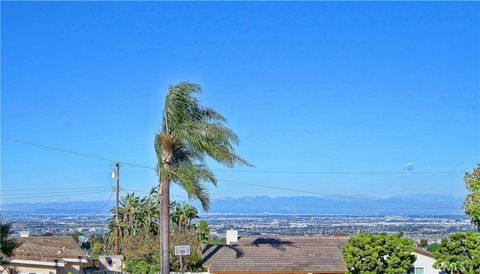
416	270
419	270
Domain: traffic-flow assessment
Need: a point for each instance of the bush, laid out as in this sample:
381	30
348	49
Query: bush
382	253
459	253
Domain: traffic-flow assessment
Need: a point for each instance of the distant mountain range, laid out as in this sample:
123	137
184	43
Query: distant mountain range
418	205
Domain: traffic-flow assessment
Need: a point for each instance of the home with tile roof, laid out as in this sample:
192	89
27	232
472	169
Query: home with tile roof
293	255
316	254
48	255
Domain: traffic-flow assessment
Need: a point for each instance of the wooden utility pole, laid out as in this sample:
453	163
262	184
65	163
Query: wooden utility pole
117	229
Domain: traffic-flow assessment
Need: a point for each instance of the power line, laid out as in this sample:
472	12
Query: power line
55	188
320	206
81	154
252	171
59	192
50	194
131	164
301	191
339	172
105	204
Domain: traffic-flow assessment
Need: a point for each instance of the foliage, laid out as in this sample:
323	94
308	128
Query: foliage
192	262
97	248
189	134
141	247
182	215
76	234
7	245
142	266
141	253
96	239
459	253
136	216
218	241
203	232
471	204
423	243
142	256
382	253
433	247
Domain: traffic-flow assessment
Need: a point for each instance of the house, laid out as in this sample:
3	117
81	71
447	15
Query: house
296	255
424	263
48	255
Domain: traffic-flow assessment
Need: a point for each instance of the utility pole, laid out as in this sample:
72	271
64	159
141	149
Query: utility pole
117	229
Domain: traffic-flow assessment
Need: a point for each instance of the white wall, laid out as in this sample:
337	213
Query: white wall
427	263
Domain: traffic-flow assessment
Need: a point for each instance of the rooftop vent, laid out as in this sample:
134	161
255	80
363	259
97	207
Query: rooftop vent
232	236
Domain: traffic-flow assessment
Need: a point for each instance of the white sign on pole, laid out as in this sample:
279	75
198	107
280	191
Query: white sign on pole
182	250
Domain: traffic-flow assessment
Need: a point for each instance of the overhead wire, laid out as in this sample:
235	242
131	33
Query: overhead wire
81	154
137	165
286	205
57	194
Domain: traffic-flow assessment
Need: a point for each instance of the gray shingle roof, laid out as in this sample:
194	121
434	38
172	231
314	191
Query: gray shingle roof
277	254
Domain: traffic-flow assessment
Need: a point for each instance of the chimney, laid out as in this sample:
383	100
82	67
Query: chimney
232	236
24	234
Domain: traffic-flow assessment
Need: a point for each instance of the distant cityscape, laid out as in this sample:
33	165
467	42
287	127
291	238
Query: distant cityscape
431	228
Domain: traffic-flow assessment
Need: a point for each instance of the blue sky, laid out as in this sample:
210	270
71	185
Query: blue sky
348	87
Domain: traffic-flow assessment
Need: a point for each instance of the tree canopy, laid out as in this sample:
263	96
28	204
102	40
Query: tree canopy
472	200
368	253
459	253
7	244
189	134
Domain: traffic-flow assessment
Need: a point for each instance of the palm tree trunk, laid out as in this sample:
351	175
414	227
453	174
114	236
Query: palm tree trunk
164	226
159	219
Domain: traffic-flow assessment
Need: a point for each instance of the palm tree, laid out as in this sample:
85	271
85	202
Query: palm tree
182	215
136	216
190	213
189	133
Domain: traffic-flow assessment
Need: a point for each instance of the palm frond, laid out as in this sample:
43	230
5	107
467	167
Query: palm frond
190	132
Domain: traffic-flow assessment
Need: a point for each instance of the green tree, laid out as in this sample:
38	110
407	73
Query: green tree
459	253
96	239
433	247
7	246
141	266
189	133
137	215
76	234
423	243
182	215
193	262
382	253
97	248
203	232
471	204
141	253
